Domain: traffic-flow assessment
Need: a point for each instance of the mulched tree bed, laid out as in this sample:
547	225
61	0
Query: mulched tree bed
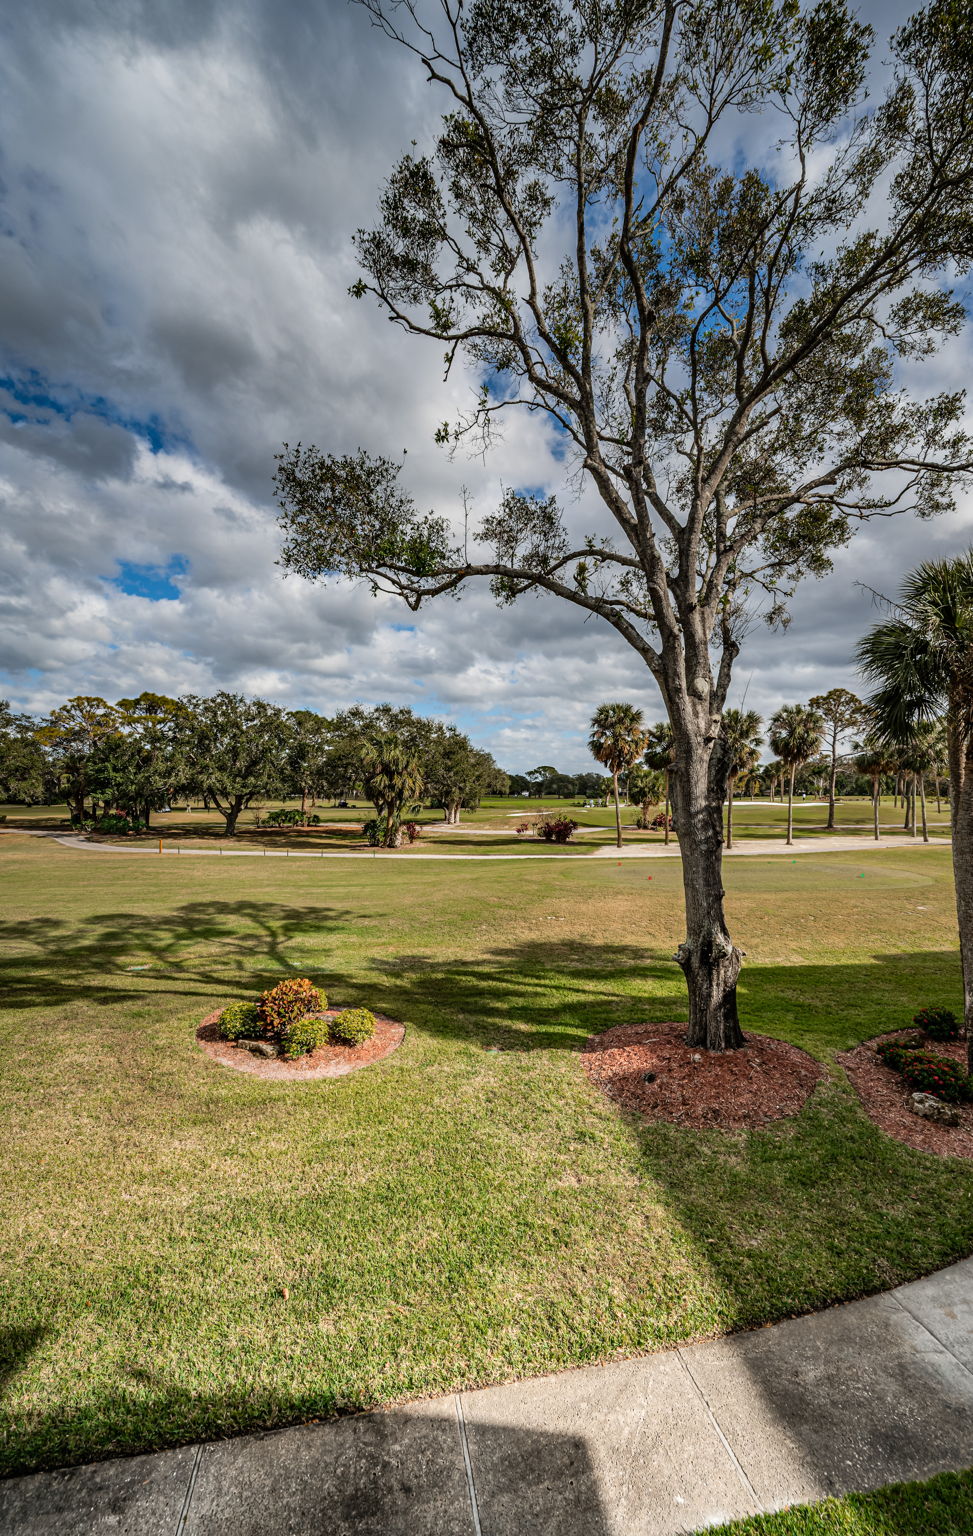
765	1080
885	1094
326	1061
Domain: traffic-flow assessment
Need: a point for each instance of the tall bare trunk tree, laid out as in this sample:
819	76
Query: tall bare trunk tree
713	344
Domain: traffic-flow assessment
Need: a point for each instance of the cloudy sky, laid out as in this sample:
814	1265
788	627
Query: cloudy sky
180	182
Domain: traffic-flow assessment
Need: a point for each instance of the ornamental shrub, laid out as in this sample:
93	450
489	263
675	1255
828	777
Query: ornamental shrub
937	1023
556	829
353	1027
412	830
304	1036
283	818
289	1001
241	1021
894	1052
926	1073
117	821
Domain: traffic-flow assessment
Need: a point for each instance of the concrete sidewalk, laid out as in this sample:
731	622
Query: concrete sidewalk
874	1392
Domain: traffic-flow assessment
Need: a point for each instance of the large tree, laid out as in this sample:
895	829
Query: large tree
73	737
713	343
235	751
24	773
618	739
457	774
841	712
921	662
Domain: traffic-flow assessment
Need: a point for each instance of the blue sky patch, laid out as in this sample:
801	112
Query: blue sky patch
159	583
37	394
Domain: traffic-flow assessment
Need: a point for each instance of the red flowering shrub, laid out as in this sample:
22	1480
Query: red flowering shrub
556	829
412	830
894	1053
926	1073
289	1001
937	1023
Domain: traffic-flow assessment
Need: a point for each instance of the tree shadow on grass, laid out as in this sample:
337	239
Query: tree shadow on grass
768	1224
108	957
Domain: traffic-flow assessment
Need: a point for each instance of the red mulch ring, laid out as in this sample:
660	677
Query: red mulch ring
733	1090
885	1099
326	1061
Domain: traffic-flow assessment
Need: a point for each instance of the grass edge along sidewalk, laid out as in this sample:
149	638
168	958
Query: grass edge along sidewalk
941	1506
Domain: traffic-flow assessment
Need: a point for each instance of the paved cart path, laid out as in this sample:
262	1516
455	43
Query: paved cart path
757	847
874	1392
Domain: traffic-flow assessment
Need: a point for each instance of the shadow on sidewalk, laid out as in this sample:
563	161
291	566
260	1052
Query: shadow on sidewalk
395	1473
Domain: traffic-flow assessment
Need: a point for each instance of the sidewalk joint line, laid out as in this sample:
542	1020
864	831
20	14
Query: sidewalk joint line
184	1513
741	1474
926	1329
460	1420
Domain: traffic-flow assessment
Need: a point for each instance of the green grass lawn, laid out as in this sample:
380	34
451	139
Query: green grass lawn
943	1506
470	1209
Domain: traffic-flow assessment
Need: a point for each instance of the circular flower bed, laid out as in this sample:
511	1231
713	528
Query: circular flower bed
325	1060
292	1033
886	1094
650	1069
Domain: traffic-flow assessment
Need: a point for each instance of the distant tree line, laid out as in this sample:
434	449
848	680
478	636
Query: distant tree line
128	759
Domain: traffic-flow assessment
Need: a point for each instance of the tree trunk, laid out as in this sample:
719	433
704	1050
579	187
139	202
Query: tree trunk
831	784
876	801
665	829
709	959
230	816
961	819
729	811
922	801
303	803
939	807
907	802
790	805
618	813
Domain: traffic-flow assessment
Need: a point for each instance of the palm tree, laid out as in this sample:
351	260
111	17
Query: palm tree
922	661
658	754
876	762
392	776
795	735
917	758
740	730
618	739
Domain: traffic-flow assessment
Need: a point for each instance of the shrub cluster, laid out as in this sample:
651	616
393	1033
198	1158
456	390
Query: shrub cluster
241	1021
937	1023
288	1002
412	830
556	829
291	1014
353	1026
114	821
922	1069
